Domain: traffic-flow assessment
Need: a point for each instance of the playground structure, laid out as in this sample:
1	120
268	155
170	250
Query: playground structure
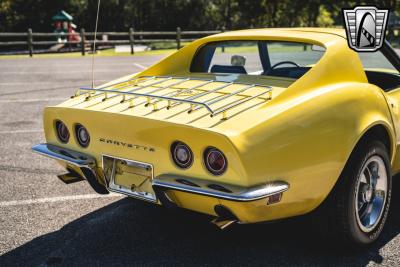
65	28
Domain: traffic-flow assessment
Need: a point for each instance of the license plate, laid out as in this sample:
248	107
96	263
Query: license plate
129	177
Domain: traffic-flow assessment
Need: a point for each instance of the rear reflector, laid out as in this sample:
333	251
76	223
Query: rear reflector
274	199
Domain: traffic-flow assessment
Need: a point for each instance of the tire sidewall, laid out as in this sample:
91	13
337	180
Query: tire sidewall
374	149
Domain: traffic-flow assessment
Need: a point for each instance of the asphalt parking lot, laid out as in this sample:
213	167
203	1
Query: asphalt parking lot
44	222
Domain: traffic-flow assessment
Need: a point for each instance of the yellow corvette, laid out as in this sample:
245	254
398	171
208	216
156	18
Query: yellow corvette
248	126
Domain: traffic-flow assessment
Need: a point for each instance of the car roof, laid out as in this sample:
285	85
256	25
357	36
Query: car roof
322	35
335	31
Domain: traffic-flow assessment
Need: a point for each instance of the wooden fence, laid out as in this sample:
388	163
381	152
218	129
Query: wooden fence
130	37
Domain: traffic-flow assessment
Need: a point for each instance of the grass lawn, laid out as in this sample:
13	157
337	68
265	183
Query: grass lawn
161	48
102	53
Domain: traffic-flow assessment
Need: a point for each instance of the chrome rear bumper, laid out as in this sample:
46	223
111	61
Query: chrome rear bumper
163	183
219	190
69	156
85	163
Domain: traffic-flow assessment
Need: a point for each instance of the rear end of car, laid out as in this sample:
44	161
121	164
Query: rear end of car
99	138
169	134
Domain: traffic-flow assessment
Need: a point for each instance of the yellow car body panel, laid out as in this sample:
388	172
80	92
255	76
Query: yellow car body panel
303	135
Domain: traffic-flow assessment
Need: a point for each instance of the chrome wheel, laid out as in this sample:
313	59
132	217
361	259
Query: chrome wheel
371	193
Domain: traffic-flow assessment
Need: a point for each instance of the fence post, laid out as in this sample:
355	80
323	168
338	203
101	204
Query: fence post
83	41
30	42
132	40
178	38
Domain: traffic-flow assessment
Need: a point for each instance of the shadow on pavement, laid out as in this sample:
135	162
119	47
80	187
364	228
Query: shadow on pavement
131	232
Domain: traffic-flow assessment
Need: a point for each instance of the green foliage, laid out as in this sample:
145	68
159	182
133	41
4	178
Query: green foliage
119	15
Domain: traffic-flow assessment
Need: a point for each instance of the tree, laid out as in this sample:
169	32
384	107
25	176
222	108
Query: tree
120	15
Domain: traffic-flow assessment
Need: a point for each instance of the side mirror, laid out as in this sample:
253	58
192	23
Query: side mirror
237	60
318	48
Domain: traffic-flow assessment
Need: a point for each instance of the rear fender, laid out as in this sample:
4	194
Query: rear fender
308	141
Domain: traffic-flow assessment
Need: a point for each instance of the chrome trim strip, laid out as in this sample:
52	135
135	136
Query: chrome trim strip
241	194
58	153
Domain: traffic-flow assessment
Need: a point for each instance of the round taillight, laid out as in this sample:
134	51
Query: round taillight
62	132
182	155
215	161
82	135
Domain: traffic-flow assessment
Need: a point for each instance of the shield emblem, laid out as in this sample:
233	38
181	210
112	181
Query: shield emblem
365	27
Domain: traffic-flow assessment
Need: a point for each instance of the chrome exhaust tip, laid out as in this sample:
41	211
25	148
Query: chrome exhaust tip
225	217
70	177
222	224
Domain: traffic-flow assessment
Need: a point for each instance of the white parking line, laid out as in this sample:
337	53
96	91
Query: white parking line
23	83
21	131
66	65
140	66
31	100
31	83
54	199
64	72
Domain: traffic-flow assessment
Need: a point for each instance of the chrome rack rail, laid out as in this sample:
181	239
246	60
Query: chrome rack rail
172	97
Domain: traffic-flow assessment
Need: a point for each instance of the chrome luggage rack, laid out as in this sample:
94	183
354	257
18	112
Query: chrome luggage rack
172	97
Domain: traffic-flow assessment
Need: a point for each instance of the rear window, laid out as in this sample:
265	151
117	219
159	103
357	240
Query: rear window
270	58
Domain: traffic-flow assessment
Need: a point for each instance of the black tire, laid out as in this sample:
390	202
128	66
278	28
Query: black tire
337	217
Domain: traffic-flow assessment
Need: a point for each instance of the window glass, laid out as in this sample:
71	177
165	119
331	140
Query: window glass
301	54
237	54
271	58
376	60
